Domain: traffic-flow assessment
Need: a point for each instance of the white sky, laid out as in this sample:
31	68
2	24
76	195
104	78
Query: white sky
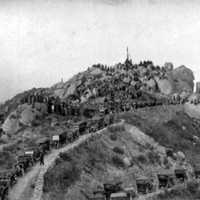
42	41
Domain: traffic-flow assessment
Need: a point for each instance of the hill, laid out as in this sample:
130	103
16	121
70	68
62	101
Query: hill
120	86
125	153
149	98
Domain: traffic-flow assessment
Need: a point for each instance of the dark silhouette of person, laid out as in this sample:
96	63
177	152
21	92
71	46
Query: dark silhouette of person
42	158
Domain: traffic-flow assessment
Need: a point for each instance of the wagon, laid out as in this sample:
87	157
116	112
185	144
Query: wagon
24	161
166	179
144	185
180	174
44	144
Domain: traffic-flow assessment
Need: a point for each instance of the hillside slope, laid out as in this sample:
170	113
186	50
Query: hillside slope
170	126
124	154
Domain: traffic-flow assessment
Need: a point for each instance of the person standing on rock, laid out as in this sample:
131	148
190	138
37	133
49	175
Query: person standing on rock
41	158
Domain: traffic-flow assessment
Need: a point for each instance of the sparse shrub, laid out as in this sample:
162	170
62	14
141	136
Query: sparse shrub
118	150
197	195
11	148
35	123
63	176
165	161
2	141
58	161
154	158
164	195
113	137
142	159
177	192
192	187
117	161
6	159
65	156
149	146
116	128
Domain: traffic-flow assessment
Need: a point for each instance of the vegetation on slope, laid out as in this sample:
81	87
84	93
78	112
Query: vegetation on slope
171	127
118	155
190	192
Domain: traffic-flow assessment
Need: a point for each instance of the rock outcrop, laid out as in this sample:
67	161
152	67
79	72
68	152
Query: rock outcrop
183	79
24	115
165	86
178	80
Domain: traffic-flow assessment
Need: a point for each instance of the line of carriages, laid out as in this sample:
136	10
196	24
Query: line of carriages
31	155
166	179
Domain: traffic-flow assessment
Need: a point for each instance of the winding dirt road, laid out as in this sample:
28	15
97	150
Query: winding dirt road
30	186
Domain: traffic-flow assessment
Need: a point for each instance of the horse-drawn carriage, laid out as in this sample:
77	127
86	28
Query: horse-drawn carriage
166	179
144	185
44	144
180	174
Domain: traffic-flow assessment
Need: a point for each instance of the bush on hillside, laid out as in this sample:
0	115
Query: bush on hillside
118	150
6	159
35	123
62	177
153	157
12	148
116	128
65	156
113	137
192	187
118	162
142	159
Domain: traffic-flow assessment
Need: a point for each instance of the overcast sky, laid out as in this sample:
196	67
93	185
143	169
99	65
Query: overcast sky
42	41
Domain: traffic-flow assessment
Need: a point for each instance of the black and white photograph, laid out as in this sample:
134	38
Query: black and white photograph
99	99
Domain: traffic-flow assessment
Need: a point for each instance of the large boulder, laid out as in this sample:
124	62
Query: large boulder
183	79
165	86
24	115
192	110
11	125
95	71
151	84
179	80
70	90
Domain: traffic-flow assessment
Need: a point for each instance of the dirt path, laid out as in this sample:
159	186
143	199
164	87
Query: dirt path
36	175
19	190
150	195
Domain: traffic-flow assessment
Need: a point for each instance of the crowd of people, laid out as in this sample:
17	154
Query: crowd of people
122	88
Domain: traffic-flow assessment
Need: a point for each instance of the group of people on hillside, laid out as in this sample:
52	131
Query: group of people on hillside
122	90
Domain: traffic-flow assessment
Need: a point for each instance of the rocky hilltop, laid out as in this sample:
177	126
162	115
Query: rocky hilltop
156	104
99	82
151	78
125	82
